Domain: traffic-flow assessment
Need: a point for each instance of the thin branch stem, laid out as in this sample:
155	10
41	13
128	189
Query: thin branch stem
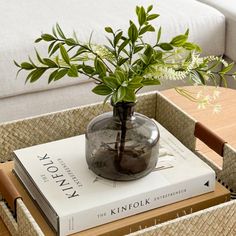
90	76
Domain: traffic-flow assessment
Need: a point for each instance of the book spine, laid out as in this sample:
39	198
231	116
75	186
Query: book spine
140	203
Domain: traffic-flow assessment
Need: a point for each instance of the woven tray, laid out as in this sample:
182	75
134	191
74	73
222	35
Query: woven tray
23	133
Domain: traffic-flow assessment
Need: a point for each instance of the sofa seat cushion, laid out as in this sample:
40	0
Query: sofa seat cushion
228	8
37	103
23	21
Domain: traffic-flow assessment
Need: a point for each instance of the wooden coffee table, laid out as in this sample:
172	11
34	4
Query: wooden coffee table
223	123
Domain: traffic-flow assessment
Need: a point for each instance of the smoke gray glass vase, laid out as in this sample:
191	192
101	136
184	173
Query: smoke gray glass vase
122	145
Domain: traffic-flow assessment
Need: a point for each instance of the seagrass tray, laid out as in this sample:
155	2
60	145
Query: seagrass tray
218	220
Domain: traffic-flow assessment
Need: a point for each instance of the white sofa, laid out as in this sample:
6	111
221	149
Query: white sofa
23	21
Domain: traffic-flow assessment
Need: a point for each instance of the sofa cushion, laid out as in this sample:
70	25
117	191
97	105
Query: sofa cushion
23	21
37	103
228	8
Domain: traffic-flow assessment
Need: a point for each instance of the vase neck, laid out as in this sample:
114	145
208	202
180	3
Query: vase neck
123	110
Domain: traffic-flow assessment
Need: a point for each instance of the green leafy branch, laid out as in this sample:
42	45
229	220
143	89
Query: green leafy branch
128	63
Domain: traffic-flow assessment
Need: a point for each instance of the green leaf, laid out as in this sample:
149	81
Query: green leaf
117	38
50	62
64	54
52	75
125	83
137	9
28	76
38	57
90	39
122	61
126	52
121	92
188	58
158	35
70	42
54	49
200	76
227	68
224	80
213	79
110	49
134	85
26	66
100	67
110	82
122	46
158	55
147	28
16	64
187	32
179	40
37	73
102	89
133	32
129	96
51	46
152	17
47	37
144	58
165	46
195	78
17	73
80	51
148	51
149	8
88	69
57	59
141	16
32	62
75	37
61	73
54	32
137	79
114	97
106	98
108	30
110	41
120	76
73	72
213	65
60	32
189	46
197	48
147	82
38	40
138	49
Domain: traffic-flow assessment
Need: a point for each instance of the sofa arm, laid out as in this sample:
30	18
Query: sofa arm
228	8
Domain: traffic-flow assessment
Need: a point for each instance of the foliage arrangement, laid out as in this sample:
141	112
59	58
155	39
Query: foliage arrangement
127	63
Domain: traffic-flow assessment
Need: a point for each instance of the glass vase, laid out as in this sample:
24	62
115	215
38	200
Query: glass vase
122	145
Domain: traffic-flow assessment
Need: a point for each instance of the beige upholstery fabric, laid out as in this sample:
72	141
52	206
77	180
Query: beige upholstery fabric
32	104
228	8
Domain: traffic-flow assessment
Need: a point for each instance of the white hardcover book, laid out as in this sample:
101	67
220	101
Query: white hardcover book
74	199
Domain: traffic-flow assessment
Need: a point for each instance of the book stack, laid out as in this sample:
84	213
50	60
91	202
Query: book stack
74	199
